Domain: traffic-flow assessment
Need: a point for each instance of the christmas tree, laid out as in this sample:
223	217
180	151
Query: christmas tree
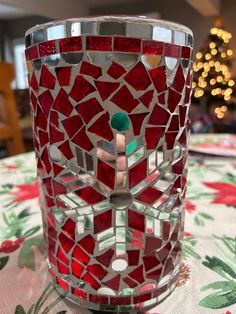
212	81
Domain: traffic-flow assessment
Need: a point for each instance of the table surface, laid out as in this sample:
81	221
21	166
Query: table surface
208	276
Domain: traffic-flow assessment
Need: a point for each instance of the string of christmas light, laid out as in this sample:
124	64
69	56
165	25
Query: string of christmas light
212	77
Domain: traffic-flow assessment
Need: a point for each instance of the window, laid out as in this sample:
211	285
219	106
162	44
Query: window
21	81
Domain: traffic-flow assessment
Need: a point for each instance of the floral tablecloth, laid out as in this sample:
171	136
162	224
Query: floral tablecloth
208	277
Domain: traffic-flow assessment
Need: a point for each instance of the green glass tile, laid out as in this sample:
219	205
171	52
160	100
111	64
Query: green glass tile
120	122
131	147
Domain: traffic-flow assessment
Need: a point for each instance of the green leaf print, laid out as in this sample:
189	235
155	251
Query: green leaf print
224	290
26	255
37	308
3	261
188	248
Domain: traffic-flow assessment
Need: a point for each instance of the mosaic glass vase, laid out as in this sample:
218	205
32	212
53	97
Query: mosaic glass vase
110	101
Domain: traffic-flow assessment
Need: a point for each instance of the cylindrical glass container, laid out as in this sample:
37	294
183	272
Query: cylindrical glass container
110	101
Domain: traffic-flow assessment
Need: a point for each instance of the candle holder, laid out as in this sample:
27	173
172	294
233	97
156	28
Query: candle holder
110	101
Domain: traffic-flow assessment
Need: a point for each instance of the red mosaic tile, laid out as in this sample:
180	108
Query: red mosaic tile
33	101
45	160
76	268
182	115
47	184
133	257
150	261
162	99
79	293
80	255
43	138
130	282
186	52
142	298
174	123
33	52
149	195
106	174
155	275
52	260
98	299
147	98
170	139
164	252
62	103
87	243
63	75
172	50
138	77
88	109
153	47
55	135
58	188
179	80
169	267
153	135
152	244
62	256
81	88
97	270
173	99
158	76
34	83
187	95
46	100
137	121
124	99
175	233
63	284
70	44
125	44
81	139
47	80
165	230
72	125
113	283
102	221
136	220
69	228
90	195
102	128
105	258
115	70
137	173
189	78
90	70
182	138
66	150
99	43
90	280
66	242
159	116
54	118
120	300
137	274
57	169
27	54
47	48
105	89
176	185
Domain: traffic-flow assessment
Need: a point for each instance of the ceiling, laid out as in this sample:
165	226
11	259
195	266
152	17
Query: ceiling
18	8
9	12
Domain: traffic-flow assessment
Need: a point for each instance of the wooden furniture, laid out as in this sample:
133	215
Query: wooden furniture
9	124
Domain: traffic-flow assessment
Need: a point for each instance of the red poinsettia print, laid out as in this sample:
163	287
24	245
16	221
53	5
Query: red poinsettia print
10	167
226	193
187	234
190	207
25	192
9	246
